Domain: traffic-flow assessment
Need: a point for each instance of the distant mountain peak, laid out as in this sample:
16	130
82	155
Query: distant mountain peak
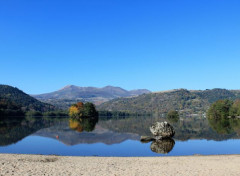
68	86
108	86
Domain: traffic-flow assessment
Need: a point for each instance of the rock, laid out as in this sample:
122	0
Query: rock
162	146
146	139
162	130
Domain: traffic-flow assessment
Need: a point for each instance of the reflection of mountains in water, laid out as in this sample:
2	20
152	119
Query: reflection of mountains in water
115	130
14	130
71	137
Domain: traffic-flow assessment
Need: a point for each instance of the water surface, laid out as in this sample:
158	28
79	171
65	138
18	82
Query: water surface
116	137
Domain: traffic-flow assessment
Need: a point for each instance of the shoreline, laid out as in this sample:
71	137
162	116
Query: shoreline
30	164
96	156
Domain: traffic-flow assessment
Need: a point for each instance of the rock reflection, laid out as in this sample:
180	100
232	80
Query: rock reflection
163	146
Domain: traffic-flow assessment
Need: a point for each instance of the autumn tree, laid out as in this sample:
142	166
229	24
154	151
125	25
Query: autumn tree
82	110
73	111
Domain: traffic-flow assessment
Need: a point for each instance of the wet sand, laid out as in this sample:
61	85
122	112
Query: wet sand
14	164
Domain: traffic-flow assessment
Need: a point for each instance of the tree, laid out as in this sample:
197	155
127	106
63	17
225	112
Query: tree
89	110
219	109
172	114
73	111
82	110
235	109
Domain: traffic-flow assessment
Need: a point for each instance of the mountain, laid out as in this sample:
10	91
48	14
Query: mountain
185	101
75	92
12	98
70	94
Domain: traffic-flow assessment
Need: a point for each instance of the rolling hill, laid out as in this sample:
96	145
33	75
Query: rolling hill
185	101
13	99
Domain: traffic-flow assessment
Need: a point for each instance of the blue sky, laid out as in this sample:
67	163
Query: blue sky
156	44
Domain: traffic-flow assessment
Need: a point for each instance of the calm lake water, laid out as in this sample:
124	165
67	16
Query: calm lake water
116	137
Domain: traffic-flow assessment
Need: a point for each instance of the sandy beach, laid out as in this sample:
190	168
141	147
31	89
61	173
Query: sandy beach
13	164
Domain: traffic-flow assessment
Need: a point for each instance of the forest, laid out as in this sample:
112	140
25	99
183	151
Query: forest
15	102
224	109
186	102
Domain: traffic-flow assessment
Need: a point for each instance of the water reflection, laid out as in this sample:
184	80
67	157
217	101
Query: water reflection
163	146
112	131
225	125
173	119
14	129
185	129
83	124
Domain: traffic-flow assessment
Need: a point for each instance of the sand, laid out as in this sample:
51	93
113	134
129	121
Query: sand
13	164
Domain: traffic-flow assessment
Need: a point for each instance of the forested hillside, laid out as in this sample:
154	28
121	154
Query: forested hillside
185	101
7	107
14	100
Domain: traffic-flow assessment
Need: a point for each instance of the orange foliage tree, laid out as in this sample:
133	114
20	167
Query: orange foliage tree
82	110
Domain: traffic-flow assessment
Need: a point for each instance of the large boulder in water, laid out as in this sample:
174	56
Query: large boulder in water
162	146
162	130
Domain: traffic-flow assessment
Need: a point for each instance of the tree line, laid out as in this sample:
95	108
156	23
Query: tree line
224	109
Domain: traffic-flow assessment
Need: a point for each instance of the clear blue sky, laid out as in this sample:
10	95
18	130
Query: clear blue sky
153	44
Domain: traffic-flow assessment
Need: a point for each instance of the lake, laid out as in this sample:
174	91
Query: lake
116	137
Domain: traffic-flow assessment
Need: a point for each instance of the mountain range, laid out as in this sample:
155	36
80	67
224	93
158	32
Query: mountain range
115	99
70	94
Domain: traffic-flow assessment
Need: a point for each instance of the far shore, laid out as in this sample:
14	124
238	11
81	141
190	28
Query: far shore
21	164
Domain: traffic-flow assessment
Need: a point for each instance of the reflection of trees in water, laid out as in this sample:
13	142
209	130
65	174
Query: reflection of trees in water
225	125
187	128
163	146
83	124
13	129
75	125
9	130
173	119
137	125
173	116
